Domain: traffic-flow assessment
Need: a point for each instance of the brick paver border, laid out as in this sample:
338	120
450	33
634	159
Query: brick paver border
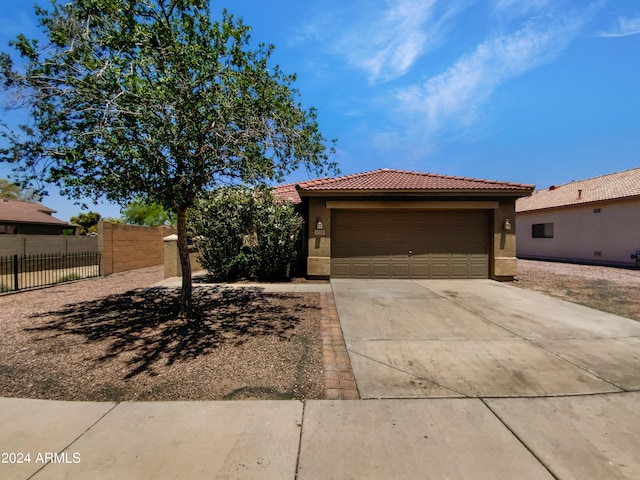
339	382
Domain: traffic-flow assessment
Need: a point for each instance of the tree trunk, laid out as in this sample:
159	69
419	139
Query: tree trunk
185	263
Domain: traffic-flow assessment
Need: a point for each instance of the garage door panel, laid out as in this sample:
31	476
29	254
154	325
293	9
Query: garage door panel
400	270
410	244
439	270
340	269
419	270
360	270
477	270
381	270
459	270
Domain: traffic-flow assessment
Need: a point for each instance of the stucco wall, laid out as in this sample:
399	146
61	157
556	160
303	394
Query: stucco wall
41	244
127	247
503	261
319	246
172	265
579	233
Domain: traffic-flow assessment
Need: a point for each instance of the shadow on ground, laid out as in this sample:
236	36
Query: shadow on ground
143	325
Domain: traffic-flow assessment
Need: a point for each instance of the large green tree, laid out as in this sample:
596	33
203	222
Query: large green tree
13	191
139	212
88	222
155	99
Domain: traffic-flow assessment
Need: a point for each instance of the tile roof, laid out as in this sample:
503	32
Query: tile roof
287	192
18	211
389	180
606	187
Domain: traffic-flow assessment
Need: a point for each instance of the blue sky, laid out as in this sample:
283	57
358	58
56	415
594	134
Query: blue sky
531	91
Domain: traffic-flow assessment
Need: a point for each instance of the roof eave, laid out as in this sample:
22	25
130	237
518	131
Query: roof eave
27	222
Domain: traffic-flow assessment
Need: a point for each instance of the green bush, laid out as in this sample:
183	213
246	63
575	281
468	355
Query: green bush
245	233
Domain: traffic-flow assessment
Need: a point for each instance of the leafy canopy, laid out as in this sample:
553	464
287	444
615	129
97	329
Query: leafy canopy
13	191
139	212
88	222
153	99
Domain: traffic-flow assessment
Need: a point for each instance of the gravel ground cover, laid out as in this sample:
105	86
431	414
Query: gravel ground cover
613	290
110	339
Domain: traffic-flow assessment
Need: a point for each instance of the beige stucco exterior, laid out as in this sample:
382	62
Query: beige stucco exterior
582	233
319	246
504	264
502	255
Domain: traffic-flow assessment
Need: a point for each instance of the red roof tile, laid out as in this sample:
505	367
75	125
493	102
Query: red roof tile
287	192
607	187
27	212
396	180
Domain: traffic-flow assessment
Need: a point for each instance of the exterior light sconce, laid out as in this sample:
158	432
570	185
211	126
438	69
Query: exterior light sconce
320	232
506	225
319	225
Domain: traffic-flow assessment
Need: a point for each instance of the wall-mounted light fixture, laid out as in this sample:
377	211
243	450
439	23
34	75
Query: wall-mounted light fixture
320	232
506	225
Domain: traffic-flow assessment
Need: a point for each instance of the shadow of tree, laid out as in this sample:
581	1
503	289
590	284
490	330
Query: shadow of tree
144	327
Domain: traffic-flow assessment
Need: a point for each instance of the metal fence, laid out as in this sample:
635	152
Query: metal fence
18	272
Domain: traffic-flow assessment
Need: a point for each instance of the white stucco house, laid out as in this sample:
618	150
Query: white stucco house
594	221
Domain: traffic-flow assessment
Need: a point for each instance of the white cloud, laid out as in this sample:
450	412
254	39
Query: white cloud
388	46
624	27
519	7
454	97
383	38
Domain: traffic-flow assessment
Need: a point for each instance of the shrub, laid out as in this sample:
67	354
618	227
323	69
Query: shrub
245	233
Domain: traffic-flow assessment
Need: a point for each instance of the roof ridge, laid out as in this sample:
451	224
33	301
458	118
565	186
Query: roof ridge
328	180
344	177
583	180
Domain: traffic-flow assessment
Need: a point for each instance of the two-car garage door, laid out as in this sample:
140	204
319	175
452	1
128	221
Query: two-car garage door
410	244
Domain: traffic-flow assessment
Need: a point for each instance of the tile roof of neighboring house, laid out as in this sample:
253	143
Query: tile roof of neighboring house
607	187
287	192
388	180
17	211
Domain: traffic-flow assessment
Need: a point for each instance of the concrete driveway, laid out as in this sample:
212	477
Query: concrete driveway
564	380
480	338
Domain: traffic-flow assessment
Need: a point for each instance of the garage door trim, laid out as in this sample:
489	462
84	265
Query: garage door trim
411	205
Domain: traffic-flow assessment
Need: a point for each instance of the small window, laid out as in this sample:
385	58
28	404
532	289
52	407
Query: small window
542	230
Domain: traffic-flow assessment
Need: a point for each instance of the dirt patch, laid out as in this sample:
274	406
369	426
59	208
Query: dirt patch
97	340
610	289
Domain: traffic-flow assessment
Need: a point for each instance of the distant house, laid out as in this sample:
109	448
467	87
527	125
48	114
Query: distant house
588	221
21	217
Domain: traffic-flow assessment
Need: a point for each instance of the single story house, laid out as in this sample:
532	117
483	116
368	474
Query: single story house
594	221
22	217
402	224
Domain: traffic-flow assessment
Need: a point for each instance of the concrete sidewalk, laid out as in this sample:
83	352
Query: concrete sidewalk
577	437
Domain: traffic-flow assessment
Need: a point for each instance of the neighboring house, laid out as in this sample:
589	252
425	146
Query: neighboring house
400	224
22	217
588	221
